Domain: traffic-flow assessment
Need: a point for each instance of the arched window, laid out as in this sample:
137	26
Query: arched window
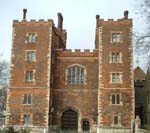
75	74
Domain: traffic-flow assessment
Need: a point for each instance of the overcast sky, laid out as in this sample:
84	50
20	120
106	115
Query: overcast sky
79	18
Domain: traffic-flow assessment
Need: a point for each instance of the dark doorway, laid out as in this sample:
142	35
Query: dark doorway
86	125
139	110
70	120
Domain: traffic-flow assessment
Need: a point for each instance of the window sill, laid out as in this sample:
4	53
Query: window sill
32	61
116	104
116	62
77	84
115	82
29	81
116	42
113	125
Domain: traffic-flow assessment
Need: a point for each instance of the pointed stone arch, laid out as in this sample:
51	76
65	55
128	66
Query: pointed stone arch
69	120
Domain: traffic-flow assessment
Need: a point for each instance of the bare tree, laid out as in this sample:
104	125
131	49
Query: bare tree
4	70
142	40
4	74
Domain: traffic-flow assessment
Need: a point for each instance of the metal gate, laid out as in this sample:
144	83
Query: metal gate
70	120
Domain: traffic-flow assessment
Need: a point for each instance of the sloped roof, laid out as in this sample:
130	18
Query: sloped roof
139	74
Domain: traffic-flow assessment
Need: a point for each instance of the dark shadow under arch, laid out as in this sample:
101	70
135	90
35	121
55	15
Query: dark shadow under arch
85	125
69	120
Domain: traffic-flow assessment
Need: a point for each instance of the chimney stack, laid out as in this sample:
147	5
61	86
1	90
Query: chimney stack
24	14
60	21
97	20
126	14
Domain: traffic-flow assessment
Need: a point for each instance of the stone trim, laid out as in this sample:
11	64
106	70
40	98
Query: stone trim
31	119
28	87
110	57
27	38
119	88
49	74
119	124
100	84
79	58
121	37
10	78
85	75
79	116
120	96
60	90
131	72
33	78
27	104
35	55
120	77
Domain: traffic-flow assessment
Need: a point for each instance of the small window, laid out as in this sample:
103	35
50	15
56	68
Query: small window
75	74
27	99
116	120
29	76
31	56
31	37
26	119
116	57
116	37
116	78
115	98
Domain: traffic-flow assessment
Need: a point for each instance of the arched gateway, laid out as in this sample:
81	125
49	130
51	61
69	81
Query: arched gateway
69	120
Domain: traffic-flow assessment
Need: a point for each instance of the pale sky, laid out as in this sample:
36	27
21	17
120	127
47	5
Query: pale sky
79	18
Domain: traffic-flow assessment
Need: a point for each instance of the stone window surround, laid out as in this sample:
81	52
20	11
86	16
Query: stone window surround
66	76
121	38
120	82
113	123
110	57
35	55
27	37
120	96
27	94
31	118
33	78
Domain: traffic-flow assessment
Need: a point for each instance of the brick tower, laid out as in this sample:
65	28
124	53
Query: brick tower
28	100
116	88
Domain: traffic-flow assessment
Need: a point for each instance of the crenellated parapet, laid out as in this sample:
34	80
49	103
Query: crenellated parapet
124	20
34	22
76	53
113	21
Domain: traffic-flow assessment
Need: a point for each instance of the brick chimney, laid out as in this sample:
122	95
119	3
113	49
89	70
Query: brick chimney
97	20
126	14
60	21
24	14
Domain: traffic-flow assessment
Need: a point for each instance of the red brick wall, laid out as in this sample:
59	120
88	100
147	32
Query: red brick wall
37	109
106	88
19	52
39	89
81	98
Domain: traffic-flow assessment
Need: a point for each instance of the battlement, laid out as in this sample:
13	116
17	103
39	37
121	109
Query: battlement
115	20
33	21
123	20
76	53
